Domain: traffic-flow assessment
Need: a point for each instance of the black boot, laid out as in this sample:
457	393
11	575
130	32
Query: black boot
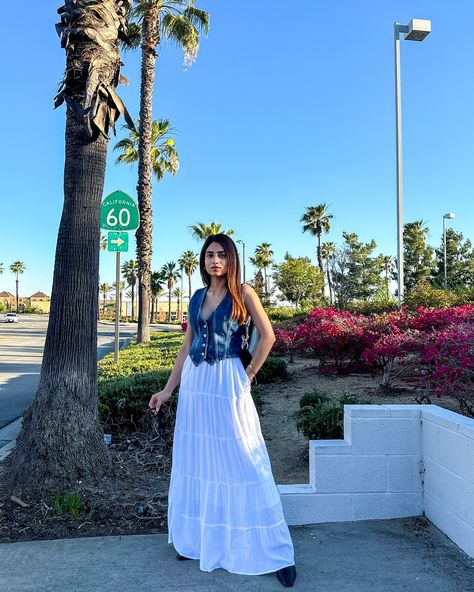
287	575
182	557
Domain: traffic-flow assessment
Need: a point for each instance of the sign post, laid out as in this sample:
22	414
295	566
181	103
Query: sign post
118	213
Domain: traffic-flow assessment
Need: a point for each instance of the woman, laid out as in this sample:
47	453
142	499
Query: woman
223	504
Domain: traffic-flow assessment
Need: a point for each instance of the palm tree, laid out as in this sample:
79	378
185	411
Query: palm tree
177	295
2	269
103	242
265	257
316	221
157	285
189	261
164	159
388	266
17	267
170	274
121	288
104	289
202	231
130	273
328	252
61	438
182	23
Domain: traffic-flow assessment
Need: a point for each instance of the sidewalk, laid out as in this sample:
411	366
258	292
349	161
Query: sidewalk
379	555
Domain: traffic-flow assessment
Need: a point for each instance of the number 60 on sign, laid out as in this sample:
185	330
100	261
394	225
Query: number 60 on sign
118	211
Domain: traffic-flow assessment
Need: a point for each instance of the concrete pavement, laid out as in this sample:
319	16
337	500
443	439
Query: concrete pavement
381	555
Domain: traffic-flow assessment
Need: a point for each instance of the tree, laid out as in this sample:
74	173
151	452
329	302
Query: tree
316	221
104	289
61	439
459	262
265	257
298	281
328	252
201	230
103	242
157	283
121	288
2	269
170	275
388	267
182	23
177	295
355	272
130	274
418	256
17	267
189	261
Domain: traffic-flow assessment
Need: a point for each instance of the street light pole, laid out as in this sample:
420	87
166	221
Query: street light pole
416	30
243	256
445	217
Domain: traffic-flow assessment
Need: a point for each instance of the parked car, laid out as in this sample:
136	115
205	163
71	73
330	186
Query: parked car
10	317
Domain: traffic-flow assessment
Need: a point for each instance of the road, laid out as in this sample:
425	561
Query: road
21	352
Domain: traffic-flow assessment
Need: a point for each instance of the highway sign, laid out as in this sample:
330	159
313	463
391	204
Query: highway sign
117	241
118	211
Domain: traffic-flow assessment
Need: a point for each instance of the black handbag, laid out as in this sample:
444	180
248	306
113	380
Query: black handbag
249	342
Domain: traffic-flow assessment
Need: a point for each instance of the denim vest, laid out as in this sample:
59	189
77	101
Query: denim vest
218	337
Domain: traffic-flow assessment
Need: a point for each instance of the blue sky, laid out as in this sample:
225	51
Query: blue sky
284	108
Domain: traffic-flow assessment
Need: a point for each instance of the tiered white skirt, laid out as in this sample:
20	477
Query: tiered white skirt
224	507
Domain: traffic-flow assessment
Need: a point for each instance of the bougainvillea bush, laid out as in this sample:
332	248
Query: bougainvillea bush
434	347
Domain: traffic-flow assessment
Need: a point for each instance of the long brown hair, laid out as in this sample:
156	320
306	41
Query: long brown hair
239	312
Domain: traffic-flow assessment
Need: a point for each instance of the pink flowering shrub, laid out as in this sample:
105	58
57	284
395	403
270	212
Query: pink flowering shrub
435	345
184	326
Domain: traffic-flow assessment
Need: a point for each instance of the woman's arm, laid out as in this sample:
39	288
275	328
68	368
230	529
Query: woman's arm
262	322
175	376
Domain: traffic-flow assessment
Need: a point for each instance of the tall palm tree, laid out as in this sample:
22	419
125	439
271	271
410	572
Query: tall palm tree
316	221
2	269
189	261
177	295
265	255
182	23
17	267
103	242
164	159
130	274
61	438
171	275
202	231
104	290
388	266
121	288
328	252
157	285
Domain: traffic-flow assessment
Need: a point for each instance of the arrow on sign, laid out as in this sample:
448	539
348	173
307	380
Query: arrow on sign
118	241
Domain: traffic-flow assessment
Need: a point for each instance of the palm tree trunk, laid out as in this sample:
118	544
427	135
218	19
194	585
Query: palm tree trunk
150	40
133	302
320	261
329	280
189	293
169	304
17	282
61	438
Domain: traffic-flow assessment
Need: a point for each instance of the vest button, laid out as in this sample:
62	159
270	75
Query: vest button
204	334
202	354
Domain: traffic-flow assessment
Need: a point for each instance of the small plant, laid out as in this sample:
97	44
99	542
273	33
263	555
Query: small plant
69	503
322	418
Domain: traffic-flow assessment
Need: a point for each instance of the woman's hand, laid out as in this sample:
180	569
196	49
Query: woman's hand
157	399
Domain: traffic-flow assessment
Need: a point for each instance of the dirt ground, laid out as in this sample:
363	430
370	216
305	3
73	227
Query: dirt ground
134	499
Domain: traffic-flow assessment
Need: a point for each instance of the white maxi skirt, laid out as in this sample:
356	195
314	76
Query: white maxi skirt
224	507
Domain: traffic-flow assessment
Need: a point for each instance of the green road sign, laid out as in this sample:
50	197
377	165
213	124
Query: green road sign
117	241
118	211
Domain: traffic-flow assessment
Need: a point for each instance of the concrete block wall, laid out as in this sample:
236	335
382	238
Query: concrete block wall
395	461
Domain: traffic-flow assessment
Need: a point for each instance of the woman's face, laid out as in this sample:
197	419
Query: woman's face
215	260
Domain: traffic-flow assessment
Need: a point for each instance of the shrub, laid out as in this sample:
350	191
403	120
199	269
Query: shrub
322	418
424	294
272	370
